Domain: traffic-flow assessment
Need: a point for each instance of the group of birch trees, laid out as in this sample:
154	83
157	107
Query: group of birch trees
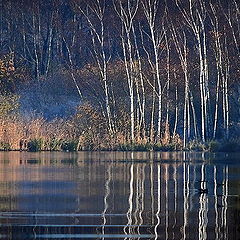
155	70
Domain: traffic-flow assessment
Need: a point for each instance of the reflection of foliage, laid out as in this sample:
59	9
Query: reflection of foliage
8	104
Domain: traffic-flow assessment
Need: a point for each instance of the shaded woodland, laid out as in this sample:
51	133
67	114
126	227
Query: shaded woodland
119	74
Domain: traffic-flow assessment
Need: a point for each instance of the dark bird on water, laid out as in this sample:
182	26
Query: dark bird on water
203	191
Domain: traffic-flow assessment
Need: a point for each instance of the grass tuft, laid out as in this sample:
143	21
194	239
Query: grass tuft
35	145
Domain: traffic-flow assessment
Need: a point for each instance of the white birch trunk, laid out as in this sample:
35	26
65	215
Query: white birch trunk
98	41
150	8
176	112
195	17
37	67
127	15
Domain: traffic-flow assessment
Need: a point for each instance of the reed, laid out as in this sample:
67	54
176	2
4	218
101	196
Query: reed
34	133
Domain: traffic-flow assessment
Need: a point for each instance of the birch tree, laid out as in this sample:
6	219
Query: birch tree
167	127
98	37
127	12
36	46
182	53
218	56
223	70
71	66
194	13
150	9
226	89
176	105
140	86
232	14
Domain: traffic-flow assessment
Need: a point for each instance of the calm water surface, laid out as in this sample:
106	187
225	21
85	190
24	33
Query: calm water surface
119	195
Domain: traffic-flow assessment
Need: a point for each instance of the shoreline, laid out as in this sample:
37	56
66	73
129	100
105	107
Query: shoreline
131	151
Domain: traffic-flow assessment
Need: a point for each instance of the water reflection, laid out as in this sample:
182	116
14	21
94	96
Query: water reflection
119	196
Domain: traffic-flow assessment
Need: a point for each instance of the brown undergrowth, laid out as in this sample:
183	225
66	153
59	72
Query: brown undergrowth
87	130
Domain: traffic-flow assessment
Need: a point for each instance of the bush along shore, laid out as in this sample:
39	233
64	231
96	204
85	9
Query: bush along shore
36	134
40	144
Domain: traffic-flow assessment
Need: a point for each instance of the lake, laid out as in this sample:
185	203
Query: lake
119	195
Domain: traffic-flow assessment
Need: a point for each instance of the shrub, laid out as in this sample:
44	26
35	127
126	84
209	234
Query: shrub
8	104
125	147
164	147
35	145
142	147
55	144
213	146
176	142
5	146
70	146
135	147
196	145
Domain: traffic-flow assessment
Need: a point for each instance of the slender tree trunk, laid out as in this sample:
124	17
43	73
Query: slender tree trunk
72	70
208	113
181	48
194	116
218	57
37	65
24	37
98	36
127	16
150	8
189	118
201	84
185	126
226	90
142	99
156	56
49	46
167	127
216	106
176	112
195	19
152	117
130	86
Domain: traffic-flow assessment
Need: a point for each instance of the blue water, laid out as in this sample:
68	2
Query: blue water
119	195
